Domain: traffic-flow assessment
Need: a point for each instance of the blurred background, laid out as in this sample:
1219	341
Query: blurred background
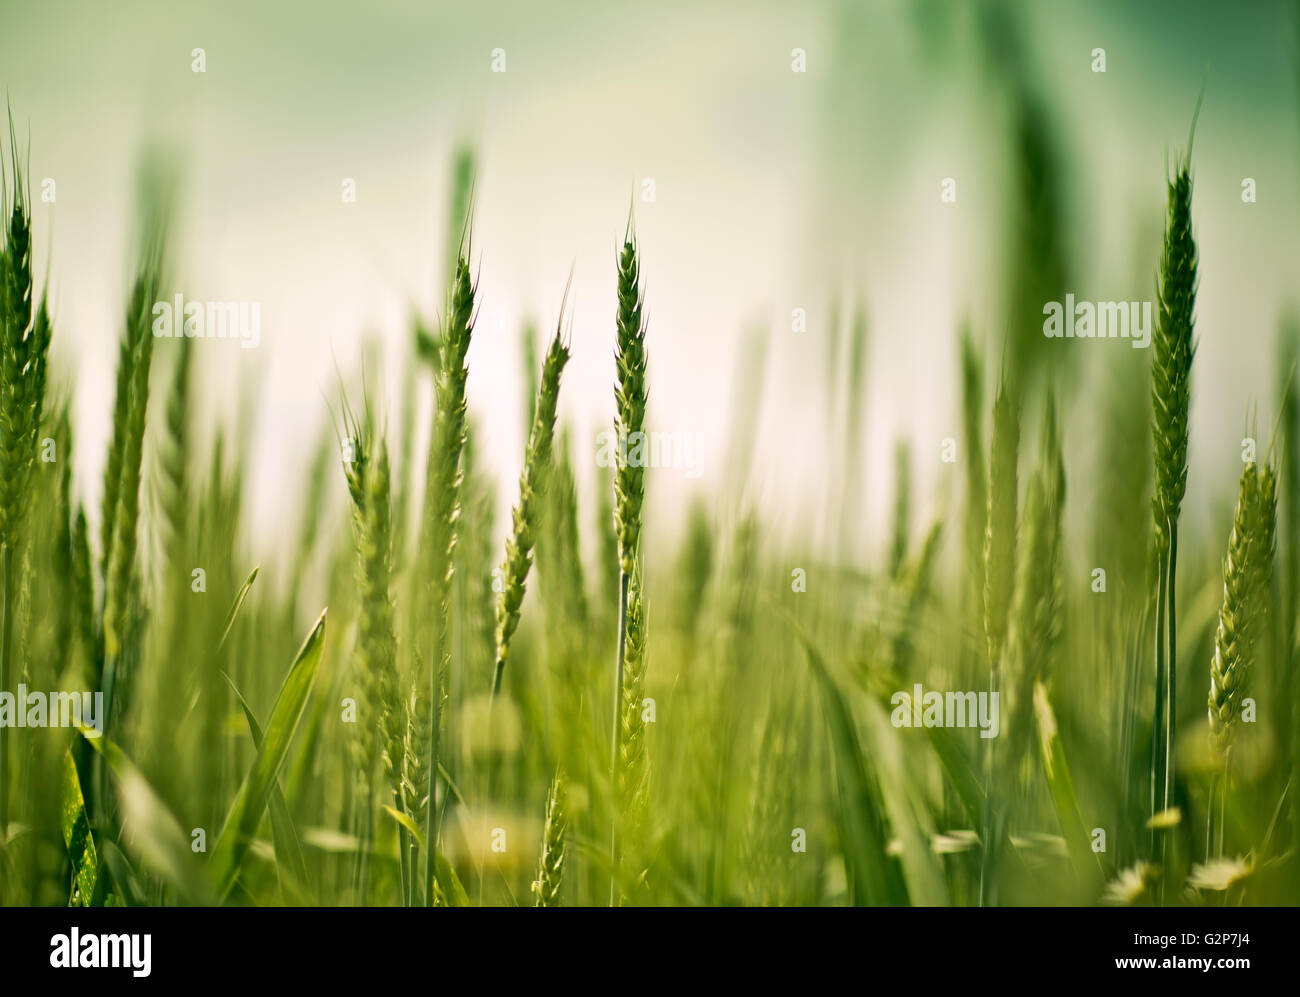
774	190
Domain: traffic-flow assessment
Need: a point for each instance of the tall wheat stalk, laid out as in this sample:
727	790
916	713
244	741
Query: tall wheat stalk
1171	366
381	732
629	479
26	341
519	545
999	582
442	503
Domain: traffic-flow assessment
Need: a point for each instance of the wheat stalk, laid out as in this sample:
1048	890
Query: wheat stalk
442	503
550	864
26	341
382	733
537	466
122	551
999	578
1173	347
126	351
633	769
629	478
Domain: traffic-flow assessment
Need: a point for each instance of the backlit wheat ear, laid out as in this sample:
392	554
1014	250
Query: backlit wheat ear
550	866
537	465
442	506
629	477
630	398
376	637
1247	575
415	773
382	731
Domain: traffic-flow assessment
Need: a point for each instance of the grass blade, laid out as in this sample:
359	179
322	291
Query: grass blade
246	812
288	849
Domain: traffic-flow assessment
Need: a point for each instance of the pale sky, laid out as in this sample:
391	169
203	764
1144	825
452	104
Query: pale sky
772	189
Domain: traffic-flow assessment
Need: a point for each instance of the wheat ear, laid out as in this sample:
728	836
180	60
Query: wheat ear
629	478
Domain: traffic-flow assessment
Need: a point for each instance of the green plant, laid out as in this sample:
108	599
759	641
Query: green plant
442	497
1173	347
532	482
550	864
629	478
26	341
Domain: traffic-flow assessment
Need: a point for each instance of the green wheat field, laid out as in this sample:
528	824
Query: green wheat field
587	702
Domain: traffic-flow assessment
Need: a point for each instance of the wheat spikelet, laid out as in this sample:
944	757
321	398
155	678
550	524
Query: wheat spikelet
550	865
630	399
127	450
537	464
120	579
415	760
1247	573
1173	346
24	343
383	731
23	352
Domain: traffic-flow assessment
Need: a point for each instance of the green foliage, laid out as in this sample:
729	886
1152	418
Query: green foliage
761	760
